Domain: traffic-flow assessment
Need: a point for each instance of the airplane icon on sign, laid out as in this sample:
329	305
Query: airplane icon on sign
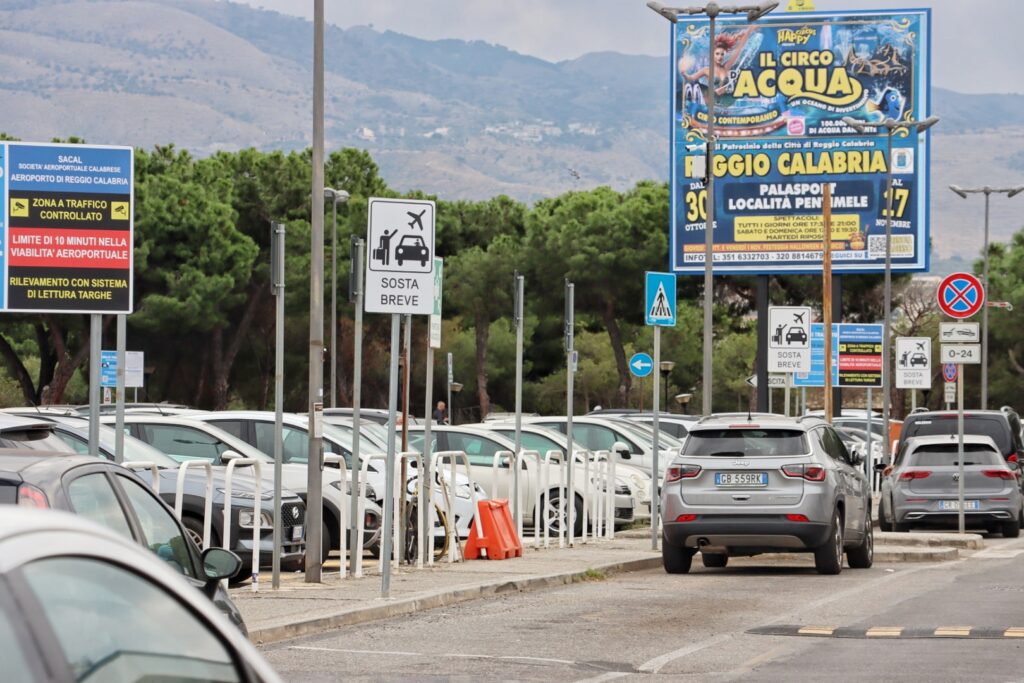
417	219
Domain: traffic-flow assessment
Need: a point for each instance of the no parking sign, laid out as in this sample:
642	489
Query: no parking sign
961	295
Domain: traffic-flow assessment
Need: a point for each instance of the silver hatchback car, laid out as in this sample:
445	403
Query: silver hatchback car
922	486
759	484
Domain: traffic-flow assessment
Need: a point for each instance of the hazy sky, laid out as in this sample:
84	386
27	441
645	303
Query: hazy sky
977	43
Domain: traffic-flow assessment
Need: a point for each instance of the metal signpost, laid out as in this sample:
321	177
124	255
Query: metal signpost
960	296
570	374
399	281
517	320
659	311
277	233
426	482
355	295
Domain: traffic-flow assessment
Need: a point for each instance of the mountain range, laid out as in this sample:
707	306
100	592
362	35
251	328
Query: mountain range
455	118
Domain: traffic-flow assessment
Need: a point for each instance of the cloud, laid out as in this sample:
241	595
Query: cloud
977	46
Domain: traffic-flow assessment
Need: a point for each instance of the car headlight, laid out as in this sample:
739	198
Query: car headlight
246	519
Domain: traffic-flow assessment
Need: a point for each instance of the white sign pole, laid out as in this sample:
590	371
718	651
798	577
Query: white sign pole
960	445
656	405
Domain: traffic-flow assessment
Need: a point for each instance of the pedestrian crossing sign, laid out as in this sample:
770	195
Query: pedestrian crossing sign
660	298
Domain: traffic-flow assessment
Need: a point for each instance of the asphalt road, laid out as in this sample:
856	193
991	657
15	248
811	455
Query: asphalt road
697	627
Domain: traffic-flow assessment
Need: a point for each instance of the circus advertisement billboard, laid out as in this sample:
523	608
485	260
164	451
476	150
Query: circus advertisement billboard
783	86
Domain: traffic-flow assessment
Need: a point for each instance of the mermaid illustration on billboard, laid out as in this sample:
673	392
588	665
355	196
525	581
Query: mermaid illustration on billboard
726	44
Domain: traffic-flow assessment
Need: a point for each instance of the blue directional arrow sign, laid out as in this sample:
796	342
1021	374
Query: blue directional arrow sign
641	364
660	299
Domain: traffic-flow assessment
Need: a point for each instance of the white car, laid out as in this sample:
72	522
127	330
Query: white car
256	427
481	445
633	486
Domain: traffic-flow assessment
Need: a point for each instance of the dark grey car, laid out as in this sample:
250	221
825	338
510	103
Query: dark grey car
777	484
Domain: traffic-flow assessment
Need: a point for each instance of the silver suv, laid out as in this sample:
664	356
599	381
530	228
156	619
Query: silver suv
752	484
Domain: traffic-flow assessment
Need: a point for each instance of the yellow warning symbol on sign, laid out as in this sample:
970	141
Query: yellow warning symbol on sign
800	6
119	211
19	207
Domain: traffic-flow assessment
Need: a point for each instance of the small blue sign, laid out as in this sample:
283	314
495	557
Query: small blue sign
641	365
949	372
660	298
108	368
856	356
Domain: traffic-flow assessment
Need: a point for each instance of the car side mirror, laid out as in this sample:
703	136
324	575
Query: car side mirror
219	564
857	458
228	456
622	450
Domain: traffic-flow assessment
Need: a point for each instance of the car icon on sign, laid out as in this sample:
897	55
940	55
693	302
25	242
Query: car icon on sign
796	334
412	248
919	359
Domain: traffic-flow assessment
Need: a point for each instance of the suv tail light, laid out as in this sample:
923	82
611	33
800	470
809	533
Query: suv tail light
999	474
677	472
808	472
914	474
31	497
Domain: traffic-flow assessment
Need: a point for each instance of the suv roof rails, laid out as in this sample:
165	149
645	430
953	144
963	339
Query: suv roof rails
744	414
919	409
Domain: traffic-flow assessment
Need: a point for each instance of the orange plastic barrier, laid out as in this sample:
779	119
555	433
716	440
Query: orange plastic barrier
500	541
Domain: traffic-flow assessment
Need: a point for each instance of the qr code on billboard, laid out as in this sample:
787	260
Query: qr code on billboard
902	246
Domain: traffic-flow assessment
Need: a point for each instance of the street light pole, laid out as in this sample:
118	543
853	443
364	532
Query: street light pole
988	192
890	126
712	10
336	196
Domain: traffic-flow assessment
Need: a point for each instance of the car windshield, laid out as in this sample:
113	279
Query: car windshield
746	442
939	455
981	425
411	241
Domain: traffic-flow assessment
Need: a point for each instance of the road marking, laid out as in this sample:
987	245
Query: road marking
953	631
1013	633
450	655
884	632
817	630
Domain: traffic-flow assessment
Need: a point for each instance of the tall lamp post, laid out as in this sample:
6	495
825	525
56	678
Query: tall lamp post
988	192
666	370
336	196
888	127
712	10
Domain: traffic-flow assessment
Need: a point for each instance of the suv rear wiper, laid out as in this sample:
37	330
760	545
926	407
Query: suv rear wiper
730	454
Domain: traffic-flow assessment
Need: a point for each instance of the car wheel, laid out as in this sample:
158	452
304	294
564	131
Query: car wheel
863	555
828	557
554	521
400	261
1012	529
884	523
675	559
714	560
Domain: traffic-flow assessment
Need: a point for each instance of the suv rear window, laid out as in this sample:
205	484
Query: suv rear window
982	425
937	455
742	443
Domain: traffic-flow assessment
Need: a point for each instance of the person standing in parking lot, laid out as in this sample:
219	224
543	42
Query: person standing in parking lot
440	414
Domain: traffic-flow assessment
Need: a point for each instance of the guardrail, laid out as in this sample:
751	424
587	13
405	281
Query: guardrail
179	490
453	458
257	513
342	511
154	469
604	506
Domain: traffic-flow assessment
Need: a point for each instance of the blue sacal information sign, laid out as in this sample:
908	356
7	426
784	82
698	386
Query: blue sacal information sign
660	299
856	357
67	222
783	86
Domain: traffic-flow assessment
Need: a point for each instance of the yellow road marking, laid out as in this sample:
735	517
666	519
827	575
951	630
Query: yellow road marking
1013	633
884	632
957	631
817	630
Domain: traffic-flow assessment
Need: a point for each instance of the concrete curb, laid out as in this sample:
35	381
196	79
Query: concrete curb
388	609
967	542
915	553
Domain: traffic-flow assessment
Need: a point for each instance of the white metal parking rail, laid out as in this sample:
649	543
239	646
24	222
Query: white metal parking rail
361	508
402	488
584	457
257	513
154	469
559	457
534	476
454	458
604	506
342	508
179	490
